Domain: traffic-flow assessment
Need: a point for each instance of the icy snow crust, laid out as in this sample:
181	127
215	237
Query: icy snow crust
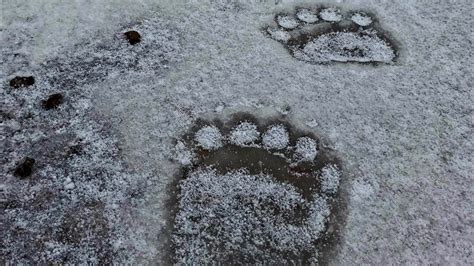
404	130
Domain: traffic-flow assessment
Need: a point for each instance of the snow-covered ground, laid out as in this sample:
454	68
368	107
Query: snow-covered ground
106	156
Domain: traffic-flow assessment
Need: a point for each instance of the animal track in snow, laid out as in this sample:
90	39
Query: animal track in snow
254	191
323	35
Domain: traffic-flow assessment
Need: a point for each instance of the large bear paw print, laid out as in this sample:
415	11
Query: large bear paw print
254	191
323	35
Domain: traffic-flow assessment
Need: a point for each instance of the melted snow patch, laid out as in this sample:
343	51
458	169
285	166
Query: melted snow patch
361	19
331	14
276	137
346	47
330	177
306	149
307	16
287	22
209	138
243	134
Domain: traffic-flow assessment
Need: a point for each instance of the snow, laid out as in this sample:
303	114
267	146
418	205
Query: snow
278	34
287	22
209	138
307	16
361	19
331	14
319	212
242	206
402	130
276	137
306	149
330	178
183	155
346	47
244	133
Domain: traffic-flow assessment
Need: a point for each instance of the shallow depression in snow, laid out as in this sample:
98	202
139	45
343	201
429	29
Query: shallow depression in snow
262	197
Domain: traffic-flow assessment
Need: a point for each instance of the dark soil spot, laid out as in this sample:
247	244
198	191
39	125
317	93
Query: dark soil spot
18	82
53	101
25	168
133	37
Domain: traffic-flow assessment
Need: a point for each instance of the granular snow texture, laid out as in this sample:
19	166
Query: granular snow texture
404	130
243	218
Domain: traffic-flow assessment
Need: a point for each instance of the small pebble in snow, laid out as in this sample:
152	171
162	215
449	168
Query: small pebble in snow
287	22
25	168
331	14
209	138
219	108
53	101
307	16
276	137
133	37
361	19
18	81
244	133
306	149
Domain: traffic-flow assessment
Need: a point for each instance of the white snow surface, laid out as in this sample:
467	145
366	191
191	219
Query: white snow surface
361	19
307	15
403	130
330	178
209	138
276	137
306	149
287	22
279	34
223	215
244	133
346	47
331	14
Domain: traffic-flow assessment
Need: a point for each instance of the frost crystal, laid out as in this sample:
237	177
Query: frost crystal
331	14
307	16
276	137
238	216
346	47
361	19
330	176
278	34
306	149
287	22
183	155
243	134
318	214
209	138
